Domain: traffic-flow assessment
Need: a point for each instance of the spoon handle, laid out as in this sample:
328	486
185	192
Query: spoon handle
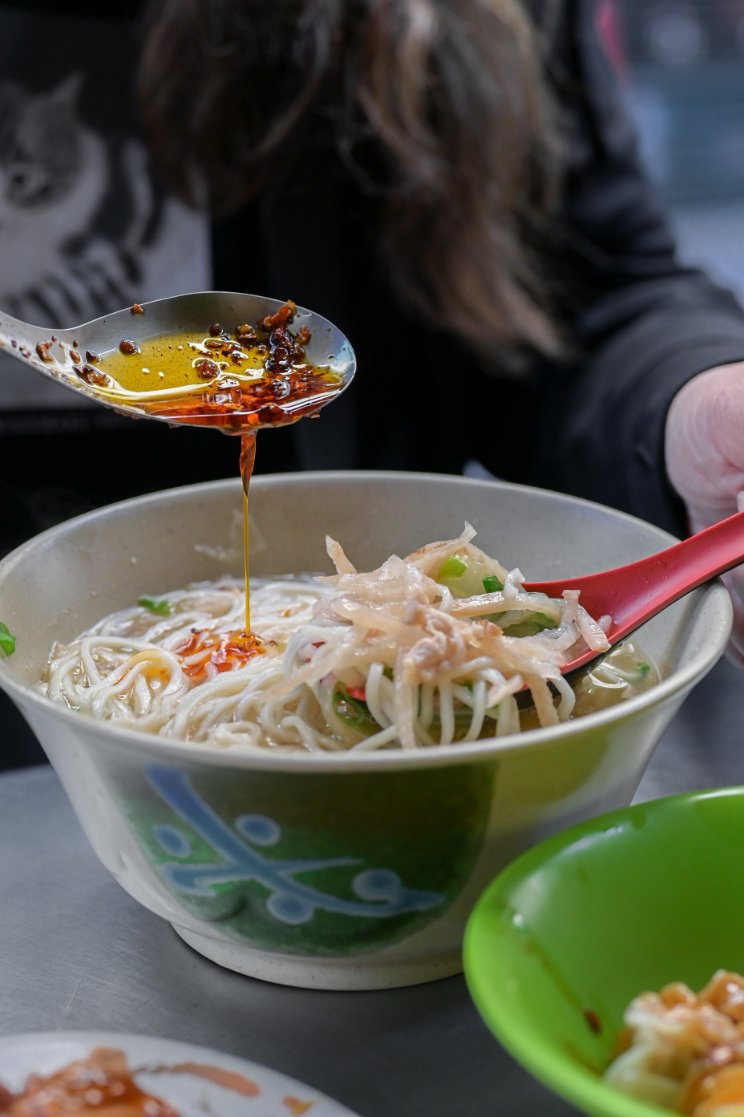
30	344
22	333
636	592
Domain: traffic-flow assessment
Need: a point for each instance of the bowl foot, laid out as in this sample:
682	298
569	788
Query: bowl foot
321	973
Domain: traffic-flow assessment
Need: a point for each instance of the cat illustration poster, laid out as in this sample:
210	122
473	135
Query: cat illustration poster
83	228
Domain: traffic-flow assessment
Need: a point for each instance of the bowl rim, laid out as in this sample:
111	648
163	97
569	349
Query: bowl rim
546	1062
123	737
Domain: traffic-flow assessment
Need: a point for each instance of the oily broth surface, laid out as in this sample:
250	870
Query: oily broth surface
622	674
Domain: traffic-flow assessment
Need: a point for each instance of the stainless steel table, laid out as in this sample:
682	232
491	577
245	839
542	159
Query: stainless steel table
76	953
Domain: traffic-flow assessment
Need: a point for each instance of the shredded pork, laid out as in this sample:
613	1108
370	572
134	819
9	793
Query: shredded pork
443	662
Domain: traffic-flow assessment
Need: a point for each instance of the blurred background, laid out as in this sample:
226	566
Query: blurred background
683	63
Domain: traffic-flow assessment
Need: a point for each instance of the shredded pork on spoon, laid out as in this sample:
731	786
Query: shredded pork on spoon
425	649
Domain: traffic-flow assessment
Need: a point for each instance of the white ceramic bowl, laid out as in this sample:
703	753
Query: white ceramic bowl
332	871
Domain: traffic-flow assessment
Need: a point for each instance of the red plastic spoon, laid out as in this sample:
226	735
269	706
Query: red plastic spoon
632	594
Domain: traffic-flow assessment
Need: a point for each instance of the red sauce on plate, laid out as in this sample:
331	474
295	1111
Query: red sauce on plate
101	1084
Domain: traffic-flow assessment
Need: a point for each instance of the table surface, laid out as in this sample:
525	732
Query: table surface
78	954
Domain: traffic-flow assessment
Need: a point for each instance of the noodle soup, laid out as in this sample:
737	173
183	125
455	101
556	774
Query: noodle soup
352	866
432	649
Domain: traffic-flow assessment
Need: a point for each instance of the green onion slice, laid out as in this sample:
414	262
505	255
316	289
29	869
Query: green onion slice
160	606
7	641
352	711
492	584
532	624
452	567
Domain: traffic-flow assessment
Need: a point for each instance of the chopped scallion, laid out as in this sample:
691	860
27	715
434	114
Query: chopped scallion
492	584
352	711
161	606
7	641
452	567
532	624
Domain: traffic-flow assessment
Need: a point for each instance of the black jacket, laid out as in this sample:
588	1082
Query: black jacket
642	323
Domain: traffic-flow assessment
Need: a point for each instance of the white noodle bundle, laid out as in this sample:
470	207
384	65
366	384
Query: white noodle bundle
428	649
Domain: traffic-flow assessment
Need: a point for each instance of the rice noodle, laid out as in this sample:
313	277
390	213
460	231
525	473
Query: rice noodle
412	654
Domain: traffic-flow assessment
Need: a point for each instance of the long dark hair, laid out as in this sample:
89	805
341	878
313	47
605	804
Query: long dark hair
449	94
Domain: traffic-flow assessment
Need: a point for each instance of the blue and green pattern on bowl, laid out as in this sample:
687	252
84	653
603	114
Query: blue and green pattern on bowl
320	872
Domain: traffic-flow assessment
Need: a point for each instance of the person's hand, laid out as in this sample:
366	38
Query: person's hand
705	461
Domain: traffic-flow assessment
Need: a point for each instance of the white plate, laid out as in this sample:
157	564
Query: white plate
276	1095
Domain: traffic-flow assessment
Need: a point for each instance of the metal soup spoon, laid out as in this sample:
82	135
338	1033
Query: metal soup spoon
630	595
77	358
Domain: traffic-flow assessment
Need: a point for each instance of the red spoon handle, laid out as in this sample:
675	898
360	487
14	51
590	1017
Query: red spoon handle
634	593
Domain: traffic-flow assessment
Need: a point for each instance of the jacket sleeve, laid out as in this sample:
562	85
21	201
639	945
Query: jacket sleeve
643	323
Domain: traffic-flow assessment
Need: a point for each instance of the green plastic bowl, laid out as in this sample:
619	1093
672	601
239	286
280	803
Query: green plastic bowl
567	935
